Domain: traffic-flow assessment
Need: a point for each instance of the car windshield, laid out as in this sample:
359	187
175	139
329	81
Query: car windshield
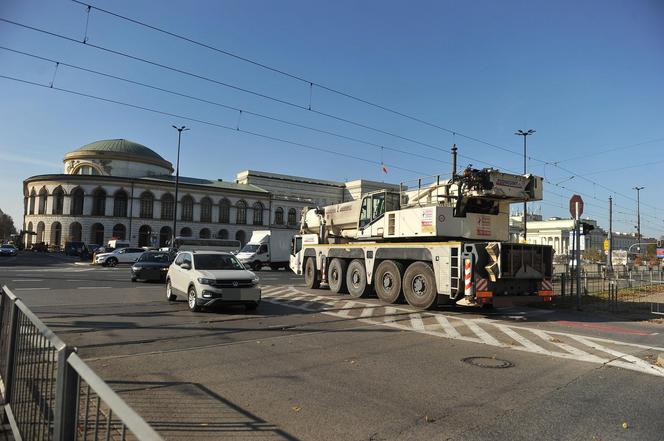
155	257
216	262
250	248
7	246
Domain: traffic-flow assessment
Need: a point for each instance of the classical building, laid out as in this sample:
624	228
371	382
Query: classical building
124	190
557	232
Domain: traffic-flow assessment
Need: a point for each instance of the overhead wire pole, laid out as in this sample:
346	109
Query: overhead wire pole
609	256
525	167
638	216
177	184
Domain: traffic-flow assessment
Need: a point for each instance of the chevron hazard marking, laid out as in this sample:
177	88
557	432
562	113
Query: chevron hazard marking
483	331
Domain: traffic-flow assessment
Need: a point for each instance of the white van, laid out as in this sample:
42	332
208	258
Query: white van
267	247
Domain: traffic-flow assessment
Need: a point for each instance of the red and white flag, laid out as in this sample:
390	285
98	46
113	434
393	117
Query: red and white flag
384	167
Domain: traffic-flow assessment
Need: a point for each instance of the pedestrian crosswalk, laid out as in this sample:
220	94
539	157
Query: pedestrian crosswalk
494	333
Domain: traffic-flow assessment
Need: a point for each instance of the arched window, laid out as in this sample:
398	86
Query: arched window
224	211
241	215
99	202
185	232
147	205
119	232
77	199
56	234
222	234
258	213
33	195
204	233
164	236
58	200
97	234
241	236
120	204
279	216
292	216
187	208
206	209
42	201
29	241
40	232
167	207
75	232
145	236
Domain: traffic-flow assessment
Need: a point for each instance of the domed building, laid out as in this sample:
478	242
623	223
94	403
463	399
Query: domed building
120	189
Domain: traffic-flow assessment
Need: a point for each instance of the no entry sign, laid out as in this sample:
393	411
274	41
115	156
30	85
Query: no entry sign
573	201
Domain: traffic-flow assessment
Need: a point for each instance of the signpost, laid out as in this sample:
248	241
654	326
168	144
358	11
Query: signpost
576	210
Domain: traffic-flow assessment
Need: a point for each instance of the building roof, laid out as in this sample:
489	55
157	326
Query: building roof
120	146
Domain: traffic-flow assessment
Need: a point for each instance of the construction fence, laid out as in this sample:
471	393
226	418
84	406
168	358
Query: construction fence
49	393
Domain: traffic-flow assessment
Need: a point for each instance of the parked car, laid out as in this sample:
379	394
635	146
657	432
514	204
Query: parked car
74	248
40	247
152	265
210	278
8	250
122	255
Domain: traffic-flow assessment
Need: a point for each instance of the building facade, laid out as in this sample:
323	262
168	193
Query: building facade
124	190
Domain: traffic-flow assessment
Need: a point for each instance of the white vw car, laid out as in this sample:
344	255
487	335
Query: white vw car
121	255
208	278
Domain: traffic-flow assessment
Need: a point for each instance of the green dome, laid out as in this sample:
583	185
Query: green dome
121	146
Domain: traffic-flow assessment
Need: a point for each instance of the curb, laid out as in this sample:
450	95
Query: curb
83	263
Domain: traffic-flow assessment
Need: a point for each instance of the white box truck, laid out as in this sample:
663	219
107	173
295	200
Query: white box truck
267	248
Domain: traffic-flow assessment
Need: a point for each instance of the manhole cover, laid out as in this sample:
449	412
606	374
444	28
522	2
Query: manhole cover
488	362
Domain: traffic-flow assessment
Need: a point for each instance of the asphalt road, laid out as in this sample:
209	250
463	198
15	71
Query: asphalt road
312	365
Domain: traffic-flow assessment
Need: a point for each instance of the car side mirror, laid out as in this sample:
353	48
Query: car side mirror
185	266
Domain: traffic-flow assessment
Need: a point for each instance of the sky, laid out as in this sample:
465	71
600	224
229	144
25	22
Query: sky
588	76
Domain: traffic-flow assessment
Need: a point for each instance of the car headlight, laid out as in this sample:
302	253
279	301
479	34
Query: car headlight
255	281
204	281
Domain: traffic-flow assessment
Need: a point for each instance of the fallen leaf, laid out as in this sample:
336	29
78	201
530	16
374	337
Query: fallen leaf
296	408
429	419
624	425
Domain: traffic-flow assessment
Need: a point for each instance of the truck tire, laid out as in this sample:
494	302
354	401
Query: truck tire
336	276
419	286
387	281
356	279
257	265
311	279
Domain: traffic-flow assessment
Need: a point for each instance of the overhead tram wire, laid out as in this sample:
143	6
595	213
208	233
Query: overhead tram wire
310	83
231	86
301	107
210	123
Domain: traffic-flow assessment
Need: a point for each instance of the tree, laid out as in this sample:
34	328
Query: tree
7	227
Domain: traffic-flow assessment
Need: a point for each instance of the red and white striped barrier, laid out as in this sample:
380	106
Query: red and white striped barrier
467	274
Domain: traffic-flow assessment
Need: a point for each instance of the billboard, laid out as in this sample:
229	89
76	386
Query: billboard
660	253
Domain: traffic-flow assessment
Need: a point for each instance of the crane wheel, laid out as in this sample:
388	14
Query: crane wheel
311	279
356	279
419	286
387	281
336	276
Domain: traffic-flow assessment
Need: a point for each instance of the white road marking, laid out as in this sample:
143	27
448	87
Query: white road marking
447	326
30	289
523	341
28	280
94	287
482	334
371	314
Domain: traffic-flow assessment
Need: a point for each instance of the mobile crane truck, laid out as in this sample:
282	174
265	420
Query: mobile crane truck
439	243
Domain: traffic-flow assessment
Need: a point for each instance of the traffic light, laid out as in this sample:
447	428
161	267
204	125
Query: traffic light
586	228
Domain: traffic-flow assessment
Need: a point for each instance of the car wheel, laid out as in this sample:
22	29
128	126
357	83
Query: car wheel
111	261
169	292
336	276
419	286
251	306
356	279
387	281
133	279
191	300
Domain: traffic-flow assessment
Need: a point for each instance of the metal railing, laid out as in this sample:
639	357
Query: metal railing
49	393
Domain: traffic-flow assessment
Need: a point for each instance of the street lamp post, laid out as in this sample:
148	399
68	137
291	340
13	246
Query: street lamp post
525	157
638	215
177	184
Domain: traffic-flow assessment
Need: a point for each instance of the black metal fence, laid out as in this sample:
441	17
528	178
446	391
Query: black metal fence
49	393
617	289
